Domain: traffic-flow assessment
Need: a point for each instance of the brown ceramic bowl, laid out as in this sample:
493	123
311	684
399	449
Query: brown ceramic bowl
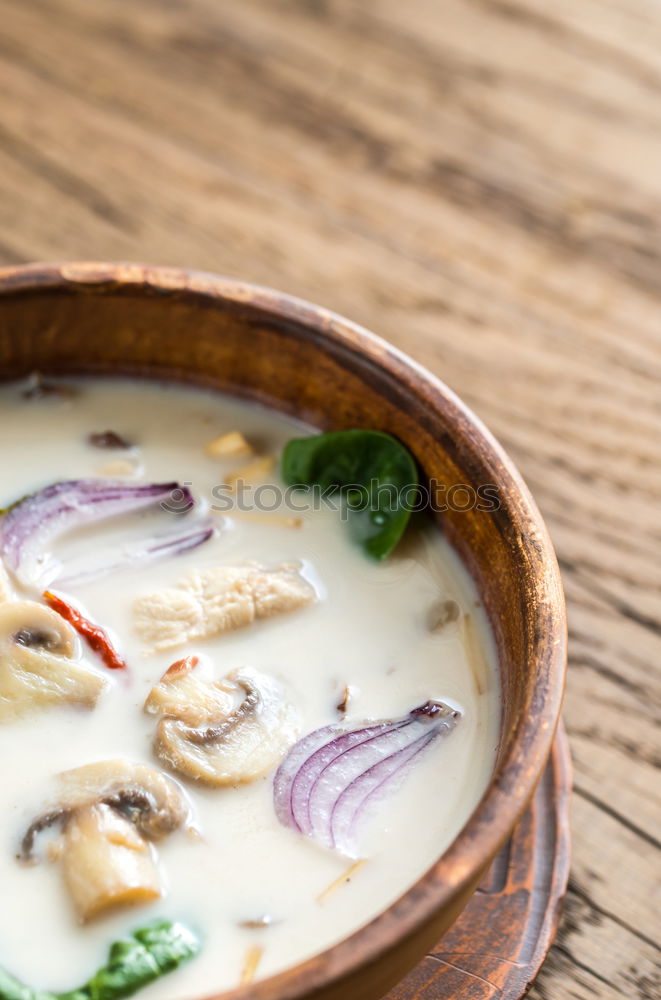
303	360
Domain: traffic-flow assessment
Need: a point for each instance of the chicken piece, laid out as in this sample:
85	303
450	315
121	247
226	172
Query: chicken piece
108	811
209	602
168	618
106	863
39	663
237	741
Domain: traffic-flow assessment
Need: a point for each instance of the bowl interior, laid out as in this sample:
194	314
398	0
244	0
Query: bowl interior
307	362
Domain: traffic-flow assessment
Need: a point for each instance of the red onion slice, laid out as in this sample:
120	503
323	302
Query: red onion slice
140	552
353	802
32	524
329	779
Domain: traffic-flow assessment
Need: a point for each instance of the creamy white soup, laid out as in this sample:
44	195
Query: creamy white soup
307	627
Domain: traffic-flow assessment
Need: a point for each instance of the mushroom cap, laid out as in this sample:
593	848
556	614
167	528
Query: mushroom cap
153	802
33	626
238	746
39	661
182	694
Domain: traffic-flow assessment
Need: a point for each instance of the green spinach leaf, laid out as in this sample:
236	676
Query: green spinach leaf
375	475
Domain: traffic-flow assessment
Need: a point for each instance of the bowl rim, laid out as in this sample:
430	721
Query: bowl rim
504	800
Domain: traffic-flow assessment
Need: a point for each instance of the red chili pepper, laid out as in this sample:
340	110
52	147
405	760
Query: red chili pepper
94	634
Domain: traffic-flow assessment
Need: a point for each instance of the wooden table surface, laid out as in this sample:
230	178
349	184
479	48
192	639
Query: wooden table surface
478	181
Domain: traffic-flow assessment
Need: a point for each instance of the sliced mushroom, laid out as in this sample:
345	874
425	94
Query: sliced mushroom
39	661
232	743
182	694
108	812
207	603
106	863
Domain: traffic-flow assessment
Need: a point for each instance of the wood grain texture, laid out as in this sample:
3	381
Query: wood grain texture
479	181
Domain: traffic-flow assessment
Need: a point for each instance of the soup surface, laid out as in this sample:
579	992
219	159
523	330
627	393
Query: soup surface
260	896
